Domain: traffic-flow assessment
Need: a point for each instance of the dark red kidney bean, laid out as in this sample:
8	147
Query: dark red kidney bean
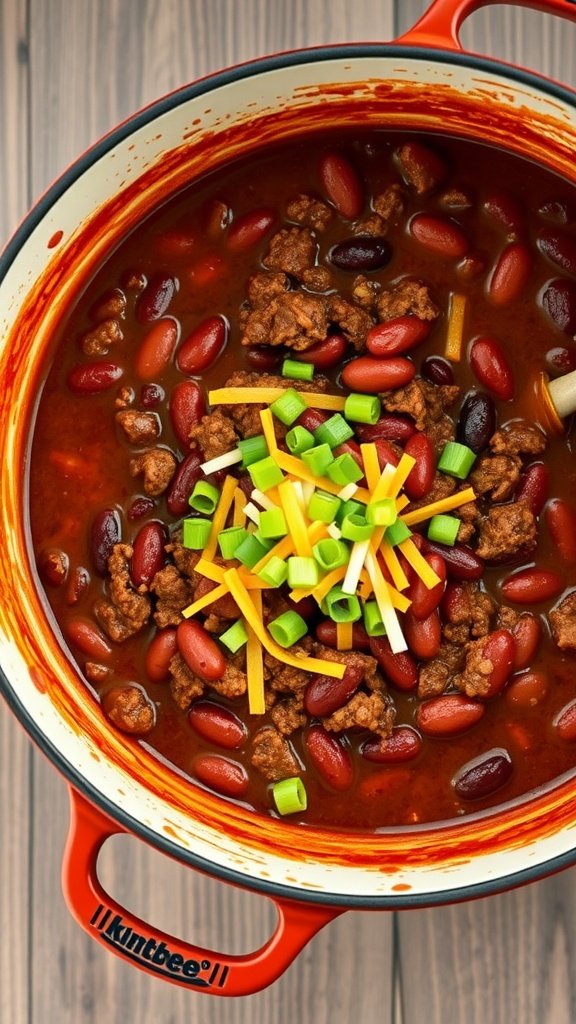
504	209
555	210
398	335
159	654
326	353
90	378
217	724
216	217
483	775
559	302
151	395
560	360
420	478
560	248
200	350
182	484
200	651
527	690
88	638
462	563
490	365
139	507
105	532
390	427
385	452
148	555
424	601
361	252
423	636
499	648
330	758
187	407
561	523
77	584
156	349
565	722
219	773
477	421
373	375
312	419
342	184
510	275
176	244
403	745
437	369
448	715
207	270
532	585
526	633
153	302
533	487
53	566
324	695
249	229
264	358
399	668
326	633
439	235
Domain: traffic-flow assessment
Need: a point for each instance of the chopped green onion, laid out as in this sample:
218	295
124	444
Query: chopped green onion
318	459
235	637
382	513
230	539
354	527
250	551
342	607
266	473
253	449
456	460
288	407
349	508
298	371
444	529
272	523
363	408
204	497
299	439
330	554
288	628
289	795
373	620
396	533
274	572
195	533
302	572
334	431
266	543
344	470
323	507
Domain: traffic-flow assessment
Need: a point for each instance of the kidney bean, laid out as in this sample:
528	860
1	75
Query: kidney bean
77	584
420	478
423	636
510	275
217	724
560	360
53	566
207	270
324	695
555	210
182	484
373	375
159	654
499	650
175	244
448	715
148	555
153	302
264	358
330	758
565	722
326	634
312	419
200	350
156	349
105	532
526	633
399	668
425	601
483	775
200	651
341	184
219	773
527	690
559	302
216	217
533	487
490	365
187	407
385	452
90	378
390	427
439	235
361	252
88	638
531	585
462	563
504	209
151	395
397	335
403	745
477	421
139	507
559	248
326	353
561	523
249	229
437	369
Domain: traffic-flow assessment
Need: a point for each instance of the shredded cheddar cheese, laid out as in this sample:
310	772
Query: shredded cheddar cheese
258	396
419	563
219	520
295	517
344	636
435	508
254	664
206	599
453	350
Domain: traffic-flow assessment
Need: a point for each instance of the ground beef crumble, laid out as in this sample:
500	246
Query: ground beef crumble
563	623
373	711
495	476
273	756
291	250
505	531
407	296
139	427
127	611
518	438
157	466
102	338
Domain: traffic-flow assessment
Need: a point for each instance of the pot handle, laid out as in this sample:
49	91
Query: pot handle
440	25
162	955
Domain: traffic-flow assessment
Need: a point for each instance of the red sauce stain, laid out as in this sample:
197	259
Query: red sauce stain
401	887
55	239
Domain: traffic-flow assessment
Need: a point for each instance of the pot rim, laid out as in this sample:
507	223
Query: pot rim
118	134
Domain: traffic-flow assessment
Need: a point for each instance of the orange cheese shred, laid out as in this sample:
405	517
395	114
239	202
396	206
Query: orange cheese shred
419	515
254	664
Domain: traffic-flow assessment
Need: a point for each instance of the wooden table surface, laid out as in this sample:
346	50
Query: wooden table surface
69	71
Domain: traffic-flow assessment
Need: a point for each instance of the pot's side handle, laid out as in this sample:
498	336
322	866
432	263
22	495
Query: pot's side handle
162	955
440	25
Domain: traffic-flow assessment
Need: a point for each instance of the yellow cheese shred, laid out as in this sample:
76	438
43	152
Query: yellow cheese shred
258	396
385	607
240	502
220	515
399	577
290	464
419	515
285	547
402	471
321	589
295	518
267	421
455	330
254	664
419	563
206	599
344	636
371	464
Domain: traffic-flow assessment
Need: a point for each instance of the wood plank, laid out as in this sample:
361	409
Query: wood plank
13	116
